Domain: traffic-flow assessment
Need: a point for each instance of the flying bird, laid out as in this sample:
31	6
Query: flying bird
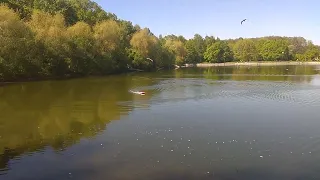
243	21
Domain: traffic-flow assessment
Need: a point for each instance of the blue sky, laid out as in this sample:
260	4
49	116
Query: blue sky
221	18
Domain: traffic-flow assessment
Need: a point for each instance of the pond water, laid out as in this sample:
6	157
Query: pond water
193	123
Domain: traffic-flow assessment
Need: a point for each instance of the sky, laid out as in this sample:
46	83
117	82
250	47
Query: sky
221	18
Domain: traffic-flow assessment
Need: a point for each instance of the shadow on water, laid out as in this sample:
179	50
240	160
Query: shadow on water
59	113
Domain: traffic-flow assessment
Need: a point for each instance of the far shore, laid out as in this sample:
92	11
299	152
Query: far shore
253	64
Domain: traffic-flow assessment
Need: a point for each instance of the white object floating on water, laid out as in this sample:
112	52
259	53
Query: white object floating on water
261	156
189	140
171	150
138	92
101	144
137	139
171	140
310	152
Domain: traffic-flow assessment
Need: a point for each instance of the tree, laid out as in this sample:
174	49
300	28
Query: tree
90	12
218	52
107	35
49	38
195	48
245	50
192	55
208	41
178	49
143	45
274	49
17	47
312	53
82	46
22	7
50	33
54	7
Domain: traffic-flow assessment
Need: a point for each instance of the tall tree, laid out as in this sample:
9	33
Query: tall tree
218	52
195	49
144	45
90	12
178	49
274	49
192	55
51	34
107	35
82	46
17	47
245	50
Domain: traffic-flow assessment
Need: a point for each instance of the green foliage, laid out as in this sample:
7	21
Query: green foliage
274	49
72	10
82	47
176	47
50	38
312	53
144	45
192	55
195	49
90	12
50	33
218	52
245	50
17	47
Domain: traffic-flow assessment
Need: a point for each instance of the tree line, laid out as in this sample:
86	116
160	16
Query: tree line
59	38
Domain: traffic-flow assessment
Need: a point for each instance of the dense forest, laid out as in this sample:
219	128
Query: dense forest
61	38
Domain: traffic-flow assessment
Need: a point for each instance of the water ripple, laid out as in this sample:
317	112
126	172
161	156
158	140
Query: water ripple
177	90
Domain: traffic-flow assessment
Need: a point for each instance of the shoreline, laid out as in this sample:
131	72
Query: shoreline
199	65
253	64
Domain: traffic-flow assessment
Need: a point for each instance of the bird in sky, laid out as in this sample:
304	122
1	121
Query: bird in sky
243	21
